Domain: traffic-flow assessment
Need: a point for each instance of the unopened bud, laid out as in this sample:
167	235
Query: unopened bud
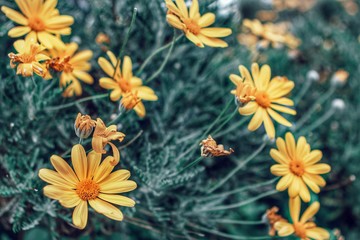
84	126
313	75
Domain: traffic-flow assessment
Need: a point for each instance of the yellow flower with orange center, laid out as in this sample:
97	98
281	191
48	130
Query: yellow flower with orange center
304	228
89	182
40	20
269	98
73	65
103	135
28	57
195	26
298	167
123	82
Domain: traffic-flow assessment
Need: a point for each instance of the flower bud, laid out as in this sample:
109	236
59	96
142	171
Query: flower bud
84	126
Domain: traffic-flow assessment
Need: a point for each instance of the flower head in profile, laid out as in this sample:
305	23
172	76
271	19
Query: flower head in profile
90	181
304	228
209	148
122	81
40	21
273	217
104	135
298	167
195	26
73	65
244	92
83	125
129	100
269	98
28	57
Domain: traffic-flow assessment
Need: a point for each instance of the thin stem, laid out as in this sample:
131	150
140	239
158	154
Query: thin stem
117	117
33	80
126	39
132	140
76	102
48	87
232	127
190	164
241	165
303	91
230	236
320	121
239	222
225	122
164	62
239	204
148	59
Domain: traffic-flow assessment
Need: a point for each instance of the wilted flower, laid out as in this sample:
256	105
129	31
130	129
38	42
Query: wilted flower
303	228
244	92
83	125
272	217
194	25
103	135
40	20
298	167
209	148
28	57
89	182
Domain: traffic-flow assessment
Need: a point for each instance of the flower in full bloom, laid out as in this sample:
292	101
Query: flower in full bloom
73	65
122	82
195	26
298	167
40	20
244	92
28	57
209	148
270	96
104	135
304	228
83	125
89	182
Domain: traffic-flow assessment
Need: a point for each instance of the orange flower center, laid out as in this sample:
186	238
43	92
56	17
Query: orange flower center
262	98
300	230
87	189
297	167
192	26
124	85
36	24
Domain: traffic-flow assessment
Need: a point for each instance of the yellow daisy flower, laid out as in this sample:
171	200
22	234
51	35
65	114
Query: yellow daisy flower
74	67
40	20
194	25
303	228
123	82
270	96
298	166
91	182
28	57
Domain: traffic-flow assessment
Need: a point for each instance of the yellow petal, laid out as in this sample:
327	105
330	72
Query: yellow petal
140	109
256	120
255	71
283	101
317	233
285	230
249	109
106	66
56	192
316	179
283	109
194	39
284	182
135	82
245	74
59	22
311	183
290	145
19	46
279	157
117	199
18	31
83	76
117	187
212	42
294	205
115	94
304	192
320	168
24	7
182	7
48	6
14	15
206	20
194	9
280	143
93	159
279	169
174	21
117	176
127	68
146	93
108	83
277	117
294	187
79	161
85	55
269	126
80	215
216	32
172	7
310	212
31	37
104	170
70	200
235	79
264	77
313	157
64	169
55	178
301	147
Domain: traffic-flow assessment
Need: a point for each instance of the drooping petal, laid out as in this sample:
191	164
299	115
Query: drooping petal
145	93
269	125
286	229
115	94
316	179
294	187
80	215
249	109
256	120
317	233
194	39
140	109
294	205
310	212
304	192
107	209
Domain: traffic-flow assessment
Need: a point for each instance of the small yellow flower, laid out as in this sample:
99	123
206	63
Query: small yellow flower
40	20
103	135
304	228
298	166
91	182
194	25
73	65
270	96
123	82
28	57
84	125
244	92
209	148
129	100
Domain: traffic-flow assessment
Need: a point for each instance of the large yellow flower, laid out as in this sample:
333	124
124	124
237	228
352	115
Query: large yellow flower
298	167
123	82
91	182
270	96
302	228
28	57
40	21
74	67
194	25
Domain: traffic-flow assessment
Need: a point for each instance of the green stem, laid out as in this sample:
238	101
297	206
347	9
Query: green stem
164	62
33	80
225	122
232	127
190	164
320	121
148	59
76	102
240	222
126	39
117	117
303	91
235	170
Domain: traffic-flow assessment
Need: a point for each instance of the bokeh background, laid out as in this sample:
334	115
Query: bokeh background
193	89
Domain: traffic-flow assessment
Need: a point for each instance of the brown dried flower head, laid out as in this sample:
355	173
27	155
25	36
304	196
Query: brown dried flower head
209	148
59	64
83	126
272	217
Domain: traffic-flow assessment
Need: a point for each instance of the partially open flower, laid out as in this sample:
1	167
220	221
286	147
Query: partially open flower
244	92
103	135
272	217
84	126
209	148
129	100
